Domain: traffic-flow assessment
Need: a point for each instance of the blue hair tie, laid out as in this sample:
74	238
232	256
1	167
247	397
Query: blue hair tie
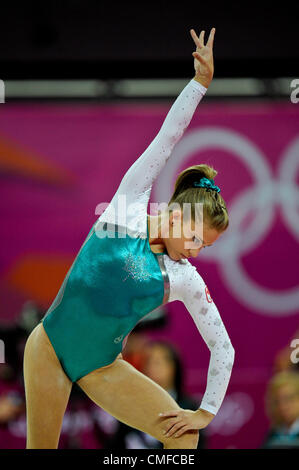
206	183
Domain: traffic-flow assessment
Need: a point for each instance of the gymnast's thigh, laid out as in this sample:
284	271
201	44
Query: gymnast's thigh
129	396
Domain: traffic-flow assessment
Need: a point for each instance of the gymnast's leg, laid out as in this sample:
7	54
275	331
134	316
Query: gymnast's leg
136	400
47	391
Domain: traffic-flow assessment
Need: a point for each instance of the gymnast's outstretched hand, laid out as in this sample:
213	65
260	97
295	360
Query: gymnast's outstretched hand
203	57
186	420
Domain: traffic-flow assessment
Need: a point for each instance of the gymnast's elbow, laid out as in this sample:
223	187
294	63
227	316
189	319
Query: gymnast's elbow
227	348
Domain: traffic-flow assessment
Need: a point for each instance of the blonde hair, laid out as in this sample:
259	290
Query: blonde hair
214	207
286	377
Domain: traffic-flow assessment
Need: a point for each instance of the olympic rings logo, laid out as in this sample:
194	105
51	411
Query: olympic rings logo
263	197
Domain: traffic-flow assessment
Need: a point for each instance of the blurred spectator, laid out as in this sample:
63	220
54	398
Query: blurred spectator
282	406
162	363
14	337
134	351
12	394
77	428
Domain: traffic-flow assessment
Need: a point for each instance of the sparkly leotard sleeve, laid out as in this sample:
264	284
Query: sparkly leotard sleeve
116	279
135	188
188	286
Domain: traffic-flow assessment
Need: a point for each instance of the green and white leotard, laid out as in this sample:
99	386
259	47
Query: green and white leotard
116	279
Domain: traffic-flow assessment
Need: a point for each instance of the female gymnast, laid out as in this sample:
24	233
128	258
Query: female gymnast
121	274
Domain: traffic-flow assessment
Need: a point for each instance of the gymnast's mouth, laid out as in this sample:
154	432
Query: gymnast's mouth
181	256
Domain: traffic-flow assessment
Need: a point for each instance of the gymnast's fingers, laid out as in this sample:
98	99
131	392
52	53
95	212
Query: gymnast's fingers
211	38
195	38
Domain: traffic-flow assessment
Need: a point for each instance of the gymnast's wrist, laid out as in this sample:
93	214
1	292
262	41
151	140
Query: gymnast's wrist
205	82
208	416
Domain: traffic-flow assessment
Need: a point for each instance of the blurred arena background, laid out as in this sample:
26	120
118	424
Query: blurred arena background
86	87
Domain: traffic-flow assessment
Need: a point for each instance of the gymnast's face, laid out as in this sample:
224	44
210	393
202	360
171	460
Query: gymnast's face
185	239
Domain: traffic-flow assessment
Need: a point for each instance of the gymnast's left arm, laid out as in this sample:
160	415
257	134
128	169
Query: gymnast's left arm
140	176
192	290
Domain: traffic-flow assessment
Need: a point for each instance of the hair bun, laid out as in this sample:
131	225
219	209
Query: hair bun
207	171
194	173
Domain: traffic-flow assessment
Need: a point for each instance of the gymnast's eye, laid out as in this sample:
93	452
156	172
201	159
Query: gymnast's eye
197	241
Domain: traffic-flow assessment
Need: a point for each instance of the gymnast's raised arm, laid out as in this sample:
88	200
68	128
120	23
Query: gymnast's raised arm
138	180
